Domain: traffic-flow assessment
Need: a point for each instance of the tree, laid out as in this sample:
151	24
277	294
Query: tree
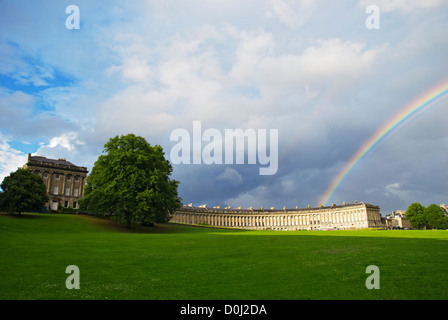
23	191
130	182
416	215
435	217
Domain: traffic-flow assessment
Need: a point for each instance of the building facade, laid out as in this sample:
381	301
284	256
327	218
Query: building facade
347	216
64	181
397	220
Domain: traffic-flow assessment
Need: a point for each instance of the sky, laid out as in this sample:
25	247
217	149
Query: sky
311	69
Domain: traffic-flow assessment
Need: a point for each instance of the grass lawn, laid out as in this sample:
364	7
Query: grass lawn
191	263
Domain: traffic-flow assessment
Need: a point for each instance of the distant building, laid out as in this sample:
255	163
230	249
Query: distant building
397	220
347	216
64	181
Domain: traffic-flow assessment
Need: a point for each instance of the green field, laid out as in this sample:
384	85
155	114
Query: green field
191	263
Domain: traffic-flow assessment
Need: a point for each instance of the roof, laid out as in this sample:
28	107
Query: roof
61	162
272	210
54	161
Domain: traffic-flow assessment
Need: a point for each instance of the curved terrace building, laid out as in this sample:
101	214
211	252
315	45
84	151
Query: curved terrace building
347	216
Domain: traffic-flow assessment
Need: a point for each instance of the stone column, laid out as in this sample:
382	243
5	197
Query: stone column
50	173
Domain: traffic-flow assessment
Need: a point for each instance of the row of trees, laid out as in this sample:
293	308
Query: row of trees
431	217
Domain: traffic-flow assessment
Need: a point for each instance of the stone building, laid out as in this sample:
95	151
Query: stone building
444	209
397	220
347	216
64	181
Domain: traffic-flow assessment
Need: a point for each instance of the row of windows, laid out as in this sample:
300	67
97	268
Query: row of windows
57	176
66	204
55	204
67	191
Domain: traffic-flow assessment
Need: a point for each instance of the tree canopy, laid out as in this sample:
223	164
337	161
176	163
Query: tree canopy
416	215
23	191
431	217
130	182
435	217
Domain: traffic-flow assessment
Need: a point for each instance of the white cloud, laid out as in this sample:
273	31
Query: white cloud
230	175
188	76
64	143
292	13
187	81
253	198
134	54
395	189
10	159
328	59
134	69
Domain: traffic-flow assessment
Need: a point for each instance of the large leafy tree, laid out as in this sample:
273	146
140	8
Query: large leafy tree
435	217
130	182
416	216
23	191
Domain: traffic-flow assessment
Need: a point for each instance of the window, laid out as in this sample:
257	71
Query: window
76	178
45	175
67	191
56	190
75	192
66	204
69	177
74	205
36	171
57	176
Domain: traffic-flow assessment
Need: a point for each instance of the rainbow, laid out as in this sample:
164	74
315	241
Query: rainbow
414	108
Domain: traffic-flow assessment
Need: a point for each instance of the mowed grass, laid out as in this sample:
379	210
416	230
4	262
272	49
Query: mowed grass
191	263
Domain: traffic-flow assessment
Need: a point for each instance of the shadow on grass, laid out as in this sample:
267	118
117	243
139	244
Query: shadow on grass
22	215
170	228
158	228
